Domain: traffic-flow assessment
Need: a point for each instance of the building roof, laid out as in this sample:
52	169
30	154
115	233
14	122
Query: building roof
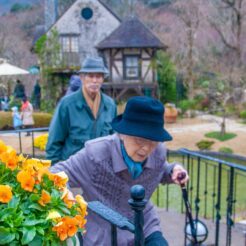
100	1
132	33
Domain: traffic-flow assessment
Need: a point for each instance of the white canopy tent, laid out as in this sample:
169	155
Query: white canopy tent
8	69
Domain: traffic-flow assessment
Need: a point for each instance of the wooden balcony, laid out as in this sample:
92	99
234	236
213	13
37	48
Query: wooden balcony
122	91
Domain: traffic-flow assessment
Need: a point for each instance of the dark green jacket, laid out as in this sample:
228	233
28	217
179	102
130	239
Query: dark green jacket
73	124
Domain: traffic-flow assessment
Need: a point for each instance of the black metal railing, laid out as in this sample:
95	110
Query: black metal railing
137	203
20	133
216	191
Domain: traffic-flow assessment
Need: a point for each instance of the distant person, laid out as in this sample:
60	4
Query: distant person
83	115
74	84
27	114
5	103
16	117
19	91
36	95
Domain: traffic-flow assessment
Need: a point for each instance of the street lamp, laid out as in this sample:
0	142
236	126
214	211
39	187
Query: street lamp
199	233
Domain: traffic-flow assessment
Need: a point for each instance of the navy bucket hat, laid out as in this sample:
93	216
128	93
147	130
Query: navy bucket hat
143	117
93	65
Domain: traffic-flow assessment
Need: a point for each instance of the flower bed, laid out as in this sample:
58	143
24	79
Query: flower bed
35	206
41	141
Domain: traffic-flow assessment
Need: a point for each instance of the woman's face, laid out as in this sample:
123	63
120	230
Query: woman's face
138	148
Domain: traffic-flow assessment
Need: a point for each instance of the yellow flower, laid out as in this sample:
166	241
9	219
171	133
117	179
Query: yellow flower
53	215
83	205
41	141
68	200
5	193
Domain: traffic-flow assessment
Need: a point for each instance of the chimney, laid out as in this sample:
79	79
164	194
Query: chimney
50	13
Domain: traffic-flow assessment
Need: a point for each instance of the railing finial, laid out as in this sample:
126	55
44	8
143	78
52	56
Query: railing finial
137	202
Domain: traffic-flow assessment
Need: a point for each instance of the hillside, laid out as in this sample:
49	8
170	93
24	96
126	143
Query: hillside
7	4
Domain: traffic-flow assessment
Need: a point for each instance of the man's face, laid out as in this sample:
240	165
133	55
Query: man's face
92	83
138	148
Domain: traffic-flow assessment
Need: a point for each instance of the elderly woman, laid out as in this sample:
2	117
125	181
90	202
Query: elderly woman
107	167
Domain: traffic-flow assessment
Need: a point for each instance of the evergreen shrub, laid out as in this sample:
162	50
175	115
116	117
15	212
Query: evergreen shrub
40	119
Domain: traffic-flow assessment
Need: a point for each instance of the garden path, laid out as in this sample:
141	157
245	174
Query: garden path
186	133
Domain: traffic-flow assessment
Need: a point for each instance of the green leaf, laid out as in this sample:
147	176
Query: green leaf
36	241
36	206
14	243
65	210
74	240
40	230
14	202
28	234
18	220
5	213
34	197
6	236
32	222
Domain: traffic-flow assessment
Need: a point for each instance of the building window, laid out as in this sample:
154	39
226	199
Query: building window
131	67
70	43
87	13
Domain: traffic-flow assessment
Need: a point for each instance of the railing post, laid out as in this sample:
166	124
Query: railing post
137	202
20	145
230	207
218	216
113	235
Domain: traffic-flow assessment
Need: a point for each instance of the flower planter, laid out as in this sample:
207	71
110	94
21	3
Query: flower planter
171	113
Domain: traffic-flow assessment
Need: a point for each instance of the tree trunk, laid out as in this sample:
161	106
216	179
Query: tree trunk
223	126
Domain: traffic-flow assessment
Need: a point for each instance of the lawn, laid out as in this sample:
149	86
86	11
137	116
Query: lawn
218	136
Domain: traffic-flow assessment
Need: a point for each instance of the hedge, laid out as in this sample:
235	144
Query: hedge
40	119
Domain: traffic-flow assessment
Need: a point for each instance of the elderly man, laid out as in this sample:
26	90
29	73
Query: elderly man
83	115
107	168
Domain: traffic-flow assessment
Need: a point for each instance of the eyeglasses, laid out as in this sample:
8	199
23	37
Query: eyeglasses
141	142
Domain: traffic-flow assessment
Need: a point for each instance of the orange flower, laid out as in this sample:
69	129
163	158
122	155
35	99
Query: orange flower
81	221
60	179
12	163
10	159
61	230
26	180
83	205
71	224
45	198
42	172
3	147
5	193
67	199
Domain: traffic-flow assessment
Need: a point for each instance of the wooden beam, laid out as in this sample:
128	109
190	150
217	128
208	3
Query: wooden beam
146	50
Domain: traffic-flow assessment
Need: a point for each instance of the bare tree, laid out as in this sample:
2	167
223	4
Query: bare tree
188	13
228	20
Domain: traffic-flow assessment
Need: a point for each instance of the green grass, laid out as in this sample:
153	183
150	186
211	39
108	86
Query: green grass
207	200
218	136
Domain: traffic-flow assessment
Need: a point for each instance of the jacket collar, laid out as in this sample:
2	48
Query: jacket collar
81	102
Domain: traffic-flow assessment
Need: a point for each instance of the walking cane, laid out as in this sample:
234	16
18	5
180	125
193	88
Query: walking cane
194	228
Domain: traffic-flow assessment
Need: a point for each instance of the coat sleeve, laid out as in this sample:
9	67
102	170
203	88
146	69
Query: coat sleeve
167	167
58	132
78	167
